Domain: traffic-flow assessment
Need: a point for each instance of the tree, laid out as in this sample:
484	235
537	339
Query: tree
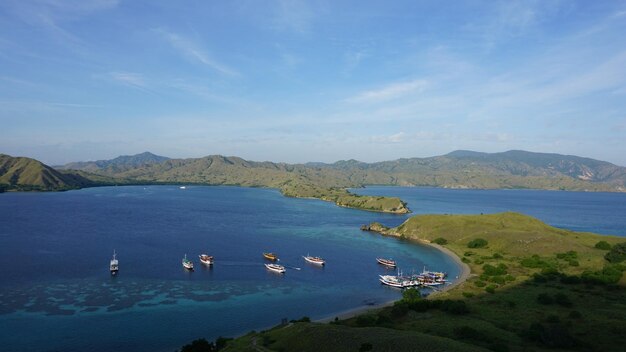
617	254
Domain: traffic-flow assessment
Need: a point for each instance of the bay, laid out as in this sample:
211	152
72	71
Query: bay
598	212
56	292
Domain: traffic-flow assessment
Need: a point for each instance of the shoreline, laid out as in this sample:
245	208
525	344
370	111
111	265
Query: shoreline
462	277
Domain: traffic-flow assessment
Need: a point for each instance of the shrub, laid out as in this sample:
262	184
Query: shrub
480	283
468	333
399	309
199	345
544	298
610	274
562	300
536	262
454	307
465	260
498	279
509	277
491	270
366	347
491	288
477	243
617	254
468	254
478	261
497	256
603	245
440	241
364	320
575	314
573	262
570	255
468	294
411	295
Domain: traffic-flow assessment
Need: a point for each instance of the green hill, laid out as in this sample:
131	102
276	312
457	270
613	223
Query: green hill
119	164
533	287
25	174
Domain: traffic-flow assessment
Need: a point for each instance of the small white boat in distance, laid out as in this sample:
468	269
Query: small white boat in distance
275	267
314	260
114	266
387	262
187	264
182	187
206	259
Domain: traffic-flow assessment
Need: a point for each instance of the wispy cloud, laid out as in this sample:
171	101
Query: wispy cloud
194	52
389	92
293	15
394	138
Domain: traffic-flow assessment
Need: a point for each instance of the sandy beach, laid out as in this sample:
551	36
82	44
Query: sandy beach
463	276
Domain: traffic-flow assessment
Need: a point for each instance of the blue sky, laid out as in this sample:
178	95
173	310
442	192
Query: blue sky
299	81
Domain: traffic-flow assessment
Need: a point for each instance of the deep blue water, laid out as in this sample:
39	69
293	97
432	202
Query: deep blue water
56	293
603	213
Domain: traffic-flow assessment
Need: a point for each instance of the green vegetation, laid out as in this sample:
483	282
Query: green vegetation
477	243
524	295
603	245
440	241
617	254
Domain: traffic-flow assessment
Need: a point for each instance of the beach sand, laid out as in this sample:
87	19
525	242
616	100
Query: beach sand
463	276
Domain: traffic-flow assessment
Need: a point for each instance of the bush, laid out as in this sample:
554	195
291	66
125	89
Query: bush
498	280
491	270
570	255
544	298
509	278
491	288
617	254
610	274
497	256
573	262
465	260
603	245
399	309
468	333
480	283
477	243
364	320
199	345
440	241
536	262
411	295
562	300
468	294
478	261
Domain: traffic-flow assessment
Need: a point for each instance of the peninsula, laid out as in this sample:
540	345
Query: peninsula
532	287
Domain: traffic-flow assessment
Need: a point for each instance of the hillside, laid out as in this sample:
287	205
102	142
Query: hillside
119	164
512	169
533	288
25	174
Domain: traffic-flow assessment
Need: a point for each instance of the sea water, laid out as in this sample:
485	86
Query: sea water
56	292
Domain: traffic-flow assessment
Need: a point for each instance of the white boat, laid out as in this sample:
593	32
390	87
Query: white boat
206	259
187	264
314	260
275	267
386	262
182	187
114	266
392	280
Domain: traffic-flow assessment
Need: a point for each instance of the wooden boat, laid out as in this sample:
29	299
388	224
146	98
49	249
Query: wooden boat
314	260
276	268
187	264
270	256
206	259
387	262
114	266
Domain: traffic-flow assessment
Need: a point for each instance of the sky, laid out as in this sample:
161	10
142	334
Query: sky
300	81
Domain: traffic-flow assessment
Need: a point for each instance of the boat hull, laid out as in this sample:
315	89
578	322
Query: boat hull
313	260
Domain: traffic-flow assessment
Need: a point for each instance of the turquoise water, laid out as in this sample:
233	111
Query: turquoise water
56	293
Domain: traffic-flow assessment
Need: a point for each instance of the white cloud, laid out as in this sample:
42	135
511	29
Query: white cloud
389	92
194	52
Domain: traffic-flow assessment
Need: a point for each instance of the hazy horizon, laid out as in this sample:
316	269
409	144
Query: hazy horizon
307	81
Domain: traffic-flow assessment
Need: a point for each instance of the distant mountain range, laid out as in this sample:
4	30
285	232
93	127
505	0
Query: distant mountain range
119	164
459	169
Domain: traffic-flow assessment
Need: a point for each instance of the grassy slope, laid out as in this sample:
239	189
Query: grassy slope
29	174
499	320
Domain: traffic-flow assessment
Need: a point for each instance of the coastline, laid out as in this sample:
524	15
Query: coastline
463	276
